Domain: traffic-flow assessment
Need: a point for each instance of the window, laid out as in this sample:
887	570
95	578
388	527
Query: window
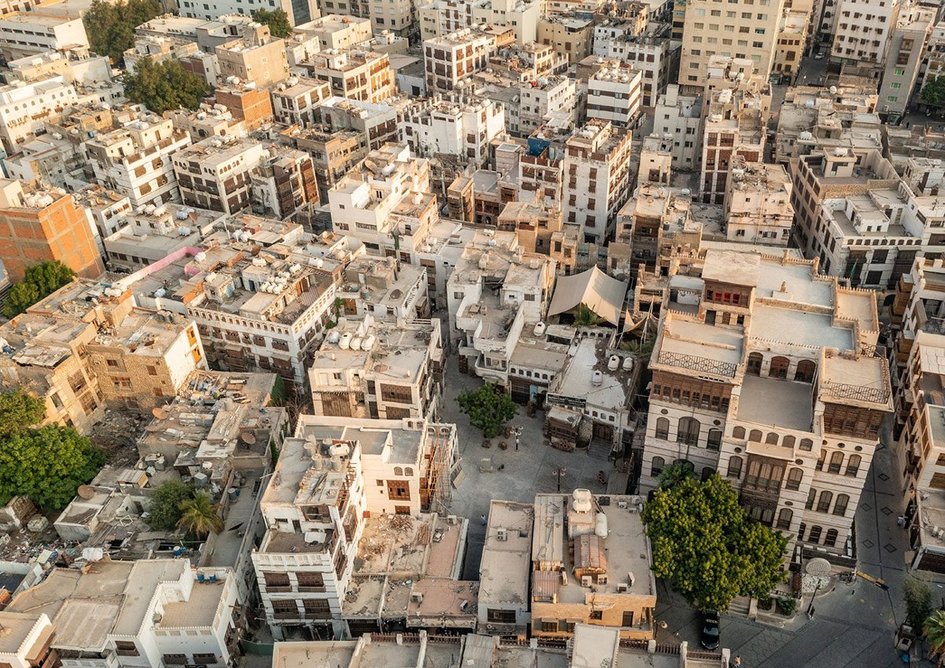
688	431
276	581
657	466
853	465
815	532
831	538
794	478
755	435
310	581
206	659
784	518
805	371
285	610
779	367
126	648
771	438
707	472
500	616
549	625
317	608
754	364
175	659
836	462
597	615
800	531
714	440
807	444
398	490
811	495
662	428
820	460
734	467
738	432
627	618
840	507
823	504
788	442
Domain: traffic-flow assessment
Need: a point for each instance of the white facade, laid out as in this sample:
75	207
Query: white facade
540	101
453	58
25	107
678	118
614	95
33	32
299	12
459	128
862	30
215	176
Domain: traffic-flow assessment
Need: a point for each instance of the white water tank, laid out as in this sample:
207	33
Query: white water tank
600	528
345	342
597	379
356	343
333	337
613	363
368	343
627	363
539	329
582	501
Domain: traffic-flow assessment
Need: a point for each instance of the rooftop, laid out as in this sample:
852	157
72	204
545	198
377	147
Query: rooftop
506	555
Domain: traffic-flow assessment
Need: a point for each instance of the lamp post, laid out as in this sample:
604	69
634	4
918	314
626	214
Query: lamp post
560	471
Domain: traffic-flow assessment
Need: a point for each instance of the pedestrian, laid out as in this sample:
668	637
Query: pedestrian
901	521
737	661
483	518
516	443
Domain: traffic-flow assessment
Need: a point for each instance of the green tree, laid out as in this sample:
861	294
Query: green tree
277	20
165	85
46	464
488	408
585	317
39	280
165	510
706	546
200	515
918	600
19	410
675	473
934	629
934	92
111	26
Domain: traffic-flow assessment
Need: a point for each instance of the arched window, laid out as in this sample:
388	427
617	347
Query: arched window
657	466
771	438
408	471
794	478
853	465
800	531
836	462
738	432
805	371
788	442
687	431
735	467
815	532
823	503
831	538
820	460
707	472
779	367
806	444
811	495
755	435
754	364
840	507
398	470
785	515
714	440
662	428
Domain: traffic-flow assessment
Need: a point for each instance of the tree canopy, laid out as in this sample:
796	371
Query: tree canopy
165	85
165	510
46	464
707	547
934	630
934	92
918	599
488	409
200	515
277	20
19	410
111	26
39	280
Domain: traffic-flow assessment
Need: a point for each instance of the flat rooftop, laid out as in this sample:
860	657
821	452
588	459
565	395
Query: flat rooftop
612	392
776	402
505	565
198	611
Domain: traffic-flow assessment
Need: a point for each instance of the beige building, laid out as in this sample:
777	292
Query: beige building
261	62
570	36
215	173
790	394
453	58
792	41
735	30
757	204
357	75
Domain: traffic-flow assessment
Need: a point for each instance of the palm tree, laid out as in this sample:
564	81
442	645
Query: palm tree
935	634
200	515
585	317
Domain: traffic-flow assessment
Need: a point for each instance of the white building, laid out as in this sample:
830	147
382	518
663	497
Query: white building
215	173
34	32
25	107
678	118
862	31
453	58
298	12
614	94
338	31
453	126
547	98
653	53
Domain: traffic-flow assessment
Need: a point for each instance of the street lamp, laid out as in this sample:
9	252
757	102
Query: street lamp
810	608
560	471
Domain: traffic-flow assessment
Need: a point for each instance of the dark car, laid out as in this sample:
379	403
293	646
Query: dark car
709	638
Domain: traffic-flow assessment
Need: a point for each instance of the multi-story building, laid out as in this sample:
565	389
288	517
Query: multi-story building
38	224
736	30
861	220
153	232
338	31
571	37
495	291
248	105
790	394
451	59
257	301
136	160
862	29
357	75
792	41
398	17
933	59
678	118
903	60
294	101
215	173
332	475
653	53
451	126
549	98
283	183
596	172
34	32
757	203
520	16
393	372
442	17
504	569
299	12
25	107
253	60
614	94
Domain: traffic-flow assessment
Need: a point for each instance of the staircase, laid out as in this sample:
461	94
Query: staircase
740	606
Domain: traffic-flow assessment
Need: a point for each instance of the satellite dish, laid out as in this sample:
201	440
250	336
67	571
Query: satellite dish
159	412
248	437
85	492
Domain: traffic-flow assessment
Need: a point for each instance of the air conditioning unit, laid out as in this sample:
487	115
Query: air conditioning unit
451	519
501	534
622	588
602	579
586	580
416	597
631	578
622	503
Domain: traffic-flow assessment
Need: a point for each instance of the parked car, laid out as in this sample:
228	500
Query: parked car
709	638
819	55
